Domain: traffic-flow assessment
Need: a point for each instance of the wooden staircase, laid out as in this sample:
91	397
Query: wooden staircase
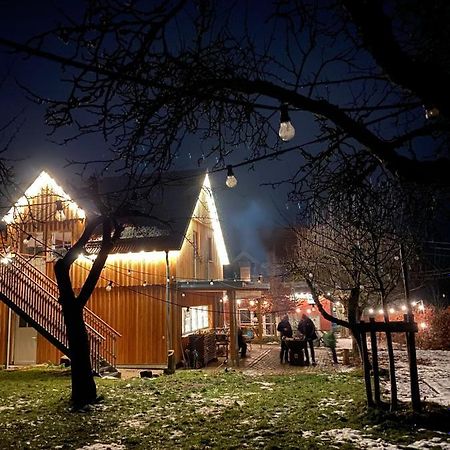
34	297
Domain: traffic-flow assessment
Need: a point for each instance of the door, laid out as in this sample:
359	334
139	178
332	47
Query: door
25	343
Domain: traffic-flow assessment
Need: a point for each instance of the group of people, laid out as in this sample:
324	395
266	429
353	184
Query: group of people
306	330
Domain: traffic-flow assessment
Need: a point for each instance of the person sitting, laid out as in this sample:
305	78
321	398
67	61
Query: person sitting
242	345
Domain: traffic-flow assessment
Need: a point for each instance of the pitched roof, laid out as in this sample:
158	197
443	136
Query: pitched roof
156	211
159	214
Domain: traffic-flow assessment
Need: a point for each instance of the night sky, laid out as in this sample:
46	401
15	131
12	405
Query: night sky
243	209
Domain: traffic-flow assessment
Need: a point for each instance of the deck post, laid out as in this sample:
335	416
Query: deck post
234	359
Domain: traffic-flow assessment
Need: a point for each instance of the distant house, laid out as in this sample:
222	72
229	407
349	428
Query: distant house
137	312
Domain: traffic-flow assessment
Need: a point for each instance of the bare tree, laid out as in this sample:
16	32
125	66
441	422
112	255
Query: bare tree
348	249
147	74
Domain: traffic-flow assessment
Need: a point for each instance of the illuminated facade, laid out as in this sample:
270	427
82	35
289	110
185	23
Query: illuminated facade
136	294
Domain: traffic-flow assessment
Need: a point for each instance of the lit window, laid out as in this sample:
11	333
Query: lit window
194	318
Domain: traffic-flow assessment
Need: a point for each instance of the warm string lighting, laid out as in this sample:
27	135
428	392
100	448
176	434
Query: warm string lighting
231	180
60	216
286	131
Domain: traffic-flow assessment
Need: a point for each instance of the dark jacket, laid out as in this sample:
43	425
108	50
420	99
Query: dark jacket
307	328
284	327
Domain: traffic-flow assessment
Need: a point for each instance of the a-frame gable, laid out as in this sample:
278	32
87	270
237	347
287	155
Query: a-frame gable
43	182
219	241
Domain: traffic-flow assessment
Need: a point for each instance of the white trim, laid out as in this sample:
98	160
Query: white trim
218	235
44	179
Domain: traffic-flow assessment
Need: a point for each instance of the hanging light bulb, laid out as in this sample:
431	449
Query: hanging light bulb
286	131
231	180
431	112
188	313
109	286
260	278
211	282
59	214
27	239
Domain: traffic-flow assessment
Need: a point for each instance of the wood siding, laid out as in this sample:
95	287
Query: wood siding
136	306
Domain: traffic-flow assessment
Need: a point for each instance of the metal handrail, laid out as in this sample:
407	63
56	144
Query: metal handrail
102	335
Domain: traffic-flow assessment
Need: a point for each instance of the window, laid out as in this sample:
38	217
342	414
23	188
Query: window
195	244
245	316
61	242
194	318
34	244
210	249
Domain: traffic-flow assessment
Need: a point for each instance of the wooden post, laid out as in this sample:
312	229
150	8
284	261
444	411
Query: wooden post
412	360
260	324
366	368
234	359
376	371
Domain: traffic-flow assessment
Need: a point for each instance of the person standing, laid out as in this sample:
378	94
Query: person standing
242	344
308	329
285	329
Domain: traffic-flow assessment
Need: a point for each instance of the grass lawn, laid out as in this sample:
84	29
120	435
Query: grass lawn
197	409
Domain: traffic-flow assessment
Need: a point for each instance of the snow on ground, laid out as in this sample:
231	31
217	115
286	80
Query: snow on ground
341	436
434	375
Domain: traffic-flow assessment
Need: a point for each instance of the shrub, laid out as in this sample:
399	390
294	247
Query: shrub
436	336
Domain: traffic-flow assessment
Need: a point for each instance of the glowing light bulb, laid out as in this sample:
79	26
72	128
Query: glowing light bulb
252	302
27	239
308	310
109	287
371	311
59	214
286	131
381	311
392	310
231	180
423	325
404	307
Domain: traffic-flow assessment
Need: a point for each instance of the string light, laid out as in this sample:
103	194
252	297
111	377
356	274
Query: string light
231	180
59	214
431	112
286	131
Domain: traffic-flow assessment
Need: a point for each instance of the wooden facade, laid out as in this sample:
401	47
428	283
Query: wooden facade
143	304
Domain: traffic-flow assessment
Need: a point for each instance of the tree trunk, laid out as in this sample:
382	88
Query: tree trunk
84	390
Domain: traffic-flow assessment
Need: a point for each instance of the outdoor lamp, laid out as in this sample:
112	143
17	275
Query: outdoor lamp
59	215
231	180
286	131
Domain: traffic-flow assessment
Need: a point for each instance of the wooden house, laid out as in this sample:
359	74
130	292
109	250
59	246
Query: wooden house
137	313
